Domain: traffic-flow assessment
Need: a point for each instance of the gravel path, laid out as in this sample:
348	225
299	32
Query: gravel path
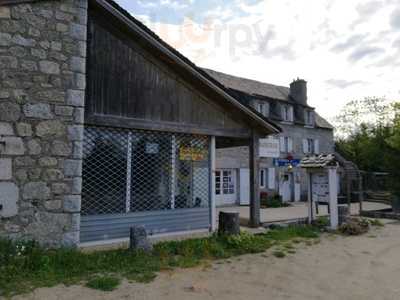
365	267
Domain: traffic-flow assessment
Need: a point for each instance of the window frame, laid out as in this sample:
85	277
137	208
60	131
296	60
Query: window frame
287	113
309	117
262	108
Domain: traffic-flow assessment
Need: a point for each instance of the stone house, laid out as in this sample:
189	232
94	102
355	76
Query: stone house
304	132
103	126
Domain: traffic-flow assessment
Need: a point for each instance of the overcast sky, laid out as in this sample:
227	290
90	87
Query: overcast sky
345	49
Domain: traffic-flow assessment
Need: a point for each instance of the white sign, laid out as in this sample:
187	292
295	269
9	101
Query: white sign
269	147
320	187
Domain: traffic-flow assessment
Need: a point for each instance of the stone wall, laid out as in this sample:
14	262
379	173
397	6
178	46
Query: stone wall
42	82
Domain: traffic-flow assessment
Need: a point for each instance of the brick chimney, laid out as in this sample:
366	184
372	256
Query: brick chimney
298	91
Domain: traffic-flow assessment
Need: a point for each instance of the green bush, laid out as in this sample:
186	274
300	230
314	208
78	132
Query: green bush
322	223
355	226
272	201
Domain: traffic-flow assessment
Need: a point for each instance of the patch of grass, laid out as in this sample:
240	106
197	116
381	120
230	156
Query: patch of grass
288	246
104	283
279	254
321	222
26	266
376	223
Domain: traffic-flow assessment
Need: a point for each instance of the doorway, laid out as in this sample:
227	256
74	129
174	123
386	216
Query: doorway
287	187
225	187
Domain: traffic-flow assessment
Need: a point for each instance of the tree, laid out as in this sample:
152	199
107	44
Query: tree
369	135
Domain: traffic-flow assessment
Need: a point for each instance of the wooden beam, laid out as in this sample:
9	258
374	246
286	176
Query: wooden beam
133	123
254	180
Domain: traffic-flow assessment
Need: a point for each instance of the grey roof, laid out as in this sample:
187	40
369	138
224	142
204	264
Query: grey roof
258	88
319	161
252	87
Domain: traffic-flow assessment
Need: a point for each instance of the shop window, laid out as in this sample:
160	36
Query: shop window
131	171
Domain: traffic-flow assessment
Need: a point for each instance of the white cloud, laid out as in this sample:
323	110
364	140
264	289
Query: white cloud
345	49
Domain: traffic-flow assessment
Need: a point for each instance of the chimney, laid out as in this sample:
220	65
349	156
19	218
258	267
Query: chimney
298	91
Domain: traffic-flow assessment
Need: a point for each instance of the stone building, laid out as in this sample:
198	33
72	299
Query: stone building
103	126
304	132
42	83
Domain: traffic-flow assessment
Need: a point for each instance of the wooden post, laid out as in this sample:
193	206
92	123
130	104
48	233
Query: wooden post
310	200
254	180
332	175
348	189
212	186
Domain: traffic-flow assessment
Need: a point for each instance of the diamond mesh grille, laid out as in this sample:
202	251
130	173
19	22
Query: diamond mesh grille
131	170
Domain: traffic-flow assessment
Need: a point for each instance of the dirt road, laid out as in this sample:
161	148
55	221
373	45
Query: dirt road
366	267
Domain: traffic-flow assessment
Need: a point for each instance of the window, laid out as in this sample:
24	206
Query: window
262	108
262	178
286	144
224	182
311	146
135	170
287	113
309	117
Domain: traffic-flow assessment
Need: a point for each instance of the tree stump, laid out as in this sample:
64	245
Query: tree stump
229	223
138	239
343	213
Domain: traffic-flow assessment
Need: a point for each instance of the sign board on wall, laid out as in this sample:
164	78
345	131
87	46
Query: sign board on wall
320	187
194	154
269	147
284	162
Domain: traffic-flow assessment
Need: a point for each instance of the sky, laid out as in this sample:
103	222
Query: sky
344	49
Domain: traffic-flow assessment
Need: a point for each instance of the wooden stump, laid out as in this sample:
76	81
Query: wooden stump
229	223
139	240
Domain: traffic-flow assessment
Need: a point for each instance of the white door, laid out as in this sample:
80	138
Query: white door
225	187
286	188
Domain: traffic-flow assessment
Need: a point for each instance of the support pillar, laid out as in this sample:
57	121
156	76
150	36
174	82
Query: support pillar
213	210
310	198
254	180
334	218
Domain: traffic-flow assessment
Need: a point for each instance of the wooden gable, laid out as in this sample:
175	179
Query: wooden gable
129	86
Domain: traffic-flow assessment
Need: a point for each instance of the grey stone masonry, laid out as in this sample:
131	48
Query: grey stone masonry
42	88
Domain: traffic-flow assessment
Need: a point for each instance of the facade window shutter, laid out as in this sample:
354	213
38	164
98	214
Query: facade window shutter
305	146
283	110
316	146
290	145
282	144
271	178
291	114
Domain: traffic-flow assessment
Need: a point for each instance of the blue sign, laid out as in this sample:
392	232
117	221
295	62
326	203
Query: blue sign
283	162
